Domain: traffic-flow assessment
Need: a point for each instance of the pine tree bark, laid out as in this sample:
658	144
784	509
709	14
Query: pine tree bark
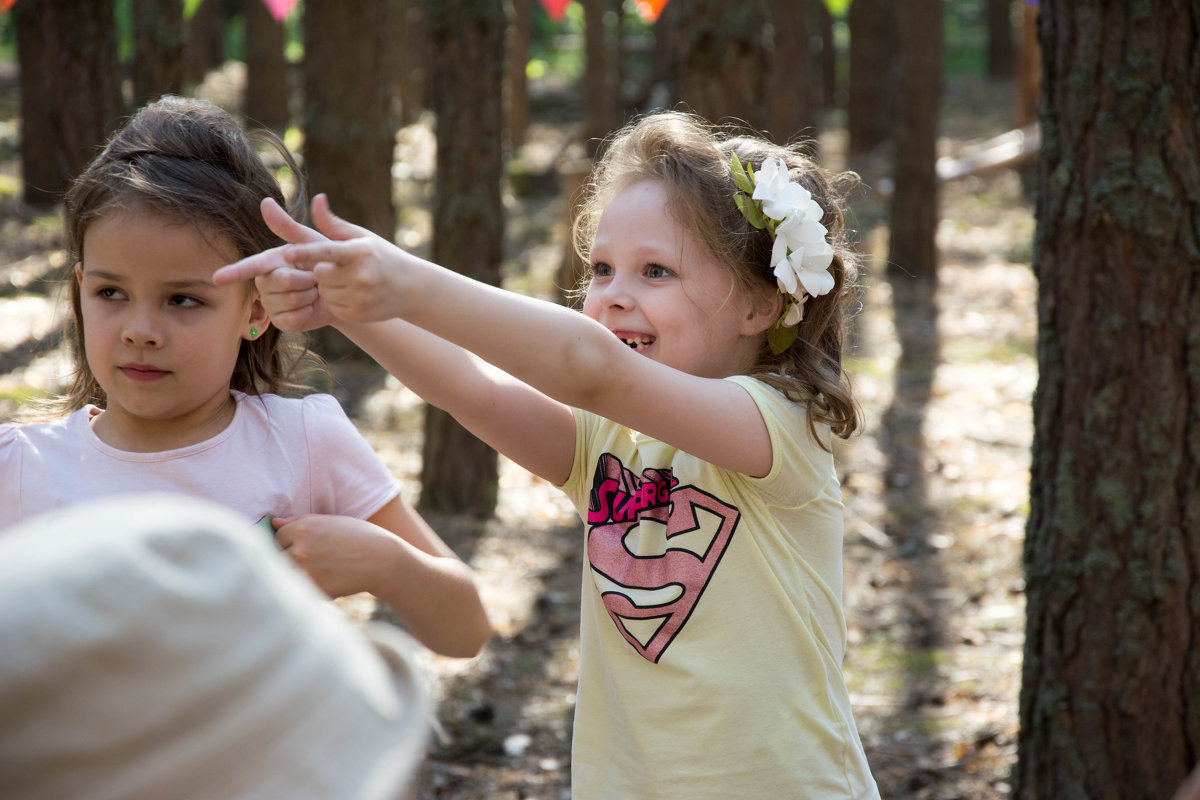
825	61
349	131
70	90
870	101
204	46
516	85
1111	671
460	472
793	85
1001	51
414	59
601	80
720	59
157	50
268	89
914	212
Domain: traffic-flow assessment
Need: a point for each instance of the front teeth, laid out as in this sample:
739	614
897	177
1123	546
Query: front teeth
638	343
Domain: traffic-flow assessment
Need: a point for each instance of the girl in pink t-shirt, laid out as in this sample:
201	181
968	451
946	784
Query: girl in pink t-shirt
177	379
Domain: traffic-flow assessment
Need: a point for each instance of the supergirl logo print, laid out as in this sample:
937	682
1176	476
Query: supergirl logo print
653	546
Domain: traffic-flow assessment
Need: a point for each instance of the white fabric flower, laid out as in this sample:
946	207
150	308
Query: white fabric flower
801	256
779	195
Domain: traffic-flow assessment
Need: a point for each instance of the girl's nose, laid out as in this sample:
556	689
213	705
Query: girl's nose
612	293
140	330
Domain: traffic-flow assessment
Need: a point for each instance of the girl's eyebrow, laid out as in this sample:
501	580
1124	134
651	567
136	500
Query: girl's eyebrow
184	284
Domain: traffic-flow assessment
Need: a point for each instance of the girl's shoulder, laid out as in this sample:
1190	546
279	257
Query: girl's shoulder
29	432
295	409
772	401
794	442
66	433
317	419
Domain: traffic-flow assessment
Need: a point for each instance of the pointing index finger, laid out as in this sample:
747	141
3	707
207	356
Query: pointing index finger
252	266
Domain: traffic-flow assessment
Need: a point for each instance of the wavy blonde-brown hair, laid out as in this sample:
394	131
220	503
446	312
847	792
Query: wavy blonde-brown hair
691	159
190	161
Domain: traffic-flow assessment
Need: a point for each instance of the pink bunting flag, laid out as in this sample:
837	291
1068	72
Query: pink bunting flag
556	8
650	9
279	8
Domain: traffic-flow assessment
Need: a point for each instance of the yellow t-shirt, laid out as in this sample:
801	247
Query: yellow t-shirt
712	630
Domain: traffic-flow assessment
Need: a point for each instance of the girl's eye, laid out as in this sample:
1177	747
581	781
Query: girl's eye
185	301
657	271
109	293
599	271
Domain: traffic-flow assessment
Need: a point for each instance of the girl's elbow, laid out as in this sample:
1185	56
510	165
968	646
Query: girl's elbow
470	639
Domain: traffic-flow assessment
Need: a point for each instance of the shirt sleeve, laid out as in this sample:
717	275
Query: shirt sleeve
346	475
10	475
801	469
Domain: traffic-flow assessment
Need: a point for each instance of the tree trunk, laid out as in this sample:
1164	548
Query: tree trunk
157	50
349	132
1111	670
349	135
1029	68
870	106
70	90
601	82
720	60
204	48
914	213
460	472
1001	52
516	86
413	59
792	85
268	89
825	60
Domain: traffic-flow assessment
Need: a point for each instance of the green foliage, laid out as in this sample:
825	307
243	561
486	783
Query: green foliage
781	338
965	28
8	38
557	48
837	7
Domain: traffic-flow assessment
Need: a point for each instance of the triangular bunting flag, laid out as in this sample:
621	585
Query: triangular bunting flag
650	9
280	8
556	8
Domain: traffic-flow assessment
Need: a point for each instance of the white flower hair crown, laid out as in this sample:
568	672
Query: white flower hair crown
801	256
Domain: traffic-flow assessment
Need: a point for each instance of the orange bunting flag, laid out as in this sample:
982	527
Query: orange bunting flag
556	8
650	9
8	4
280	8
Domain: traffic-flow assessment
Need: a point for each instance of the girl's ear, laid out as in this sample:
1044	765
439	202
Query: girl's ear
79	272
257	321
763	309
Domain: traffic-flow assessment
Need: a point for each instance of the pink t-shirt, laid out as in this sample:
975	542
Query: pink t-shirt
278	456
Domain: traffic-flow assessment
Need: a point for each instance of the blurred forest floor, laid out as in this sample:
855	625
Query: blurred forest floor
936	486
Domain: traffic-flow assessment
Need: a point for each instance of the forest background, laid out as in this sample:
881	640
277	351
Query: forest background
464	129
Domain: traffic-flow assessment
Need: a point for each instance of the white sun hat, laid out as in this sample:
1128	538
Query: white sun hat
156	647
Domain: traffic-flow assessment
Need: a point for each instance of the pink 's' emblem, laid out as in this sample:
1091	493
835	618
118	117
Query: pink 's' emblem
653	547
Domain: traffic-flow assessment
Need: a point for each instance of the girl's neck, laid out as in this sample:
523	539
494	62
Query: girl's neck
123	431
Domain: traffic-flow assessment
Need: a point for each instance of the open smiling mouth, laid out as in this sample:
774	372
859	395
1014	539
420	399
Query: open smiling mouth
638	342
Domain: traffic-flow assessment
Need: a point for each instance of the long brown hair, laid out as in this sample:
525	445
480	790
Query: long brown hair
691	159
189	160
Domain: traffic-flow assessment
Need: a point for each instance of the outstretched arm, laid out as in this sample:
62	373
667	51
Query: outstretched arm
525	425
398	558
559	352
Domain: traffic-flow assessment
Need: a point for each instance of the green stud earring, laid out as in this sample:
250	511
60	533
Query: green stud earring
254	333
